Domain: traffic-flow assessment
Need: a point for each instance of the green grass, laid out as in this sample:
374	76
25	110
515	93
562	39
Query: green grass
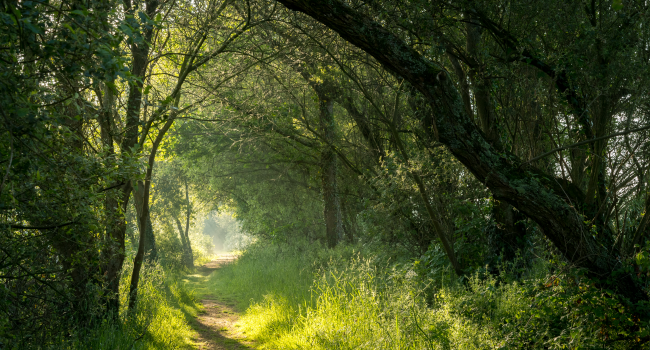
320	299
166	307
306	297
313	298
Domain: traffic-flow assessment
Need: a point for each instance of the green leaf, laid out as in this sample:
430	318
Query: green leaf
32	28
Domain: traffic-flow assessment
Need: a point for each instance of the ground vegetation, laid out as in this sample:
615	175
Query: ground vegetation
399	174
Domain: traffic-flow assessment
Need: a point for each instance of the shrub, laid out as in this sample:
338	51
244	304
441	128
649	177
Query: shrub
310	297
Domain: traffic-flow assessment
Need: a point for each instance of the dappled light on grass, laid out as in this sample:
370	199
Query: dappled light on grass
160	320
479	169
335	300
297	298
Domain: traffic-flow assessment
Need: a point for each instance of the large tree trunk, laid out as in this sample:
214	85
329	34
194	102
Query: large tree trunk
113	253
507	234
326	91
332	211
540	196
115	206
139	64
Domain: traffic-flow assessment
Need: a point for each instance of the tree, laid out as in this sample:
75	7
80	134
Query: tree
199	52
57	175
541	196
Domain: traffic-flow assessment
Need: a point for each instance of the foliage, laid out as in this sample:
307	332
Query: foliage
52	191
504	141
271	196
299	297
159	321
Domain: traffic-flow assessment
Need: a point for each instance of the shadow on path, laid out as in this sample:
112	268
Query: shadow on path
215	324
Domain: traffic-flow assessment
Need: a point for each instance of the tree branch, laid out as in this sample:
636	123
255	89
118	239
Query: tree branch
588	141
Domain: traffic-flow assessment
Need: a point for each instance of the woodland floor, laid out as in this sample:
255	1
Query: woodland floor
215	324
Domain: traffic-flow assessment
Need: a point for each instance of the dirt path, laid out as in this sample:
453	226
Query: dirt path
215	324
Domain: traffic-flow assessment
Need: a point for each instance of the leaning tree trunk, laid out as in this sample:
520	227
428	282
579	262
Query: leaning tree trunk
139	256
538	195
507	236
139	64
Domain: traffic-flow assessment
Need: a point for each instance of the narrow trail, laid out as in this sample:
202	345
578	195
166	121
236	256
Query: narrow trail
215	324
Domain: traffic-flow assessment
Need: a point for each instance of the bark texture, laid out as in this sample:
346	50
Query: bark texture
539	196
112	255
507	234
331	199
139	256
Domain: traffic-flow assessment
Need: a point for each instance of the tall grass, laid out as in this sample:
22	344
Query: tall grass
160	320
312	298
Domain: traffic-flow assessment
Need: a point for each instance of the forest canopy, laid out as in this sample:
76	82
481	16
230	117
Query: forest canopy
473	137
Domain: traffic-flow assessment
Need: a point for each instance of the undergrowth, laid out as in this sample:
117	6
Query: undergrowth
160	320
313	298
